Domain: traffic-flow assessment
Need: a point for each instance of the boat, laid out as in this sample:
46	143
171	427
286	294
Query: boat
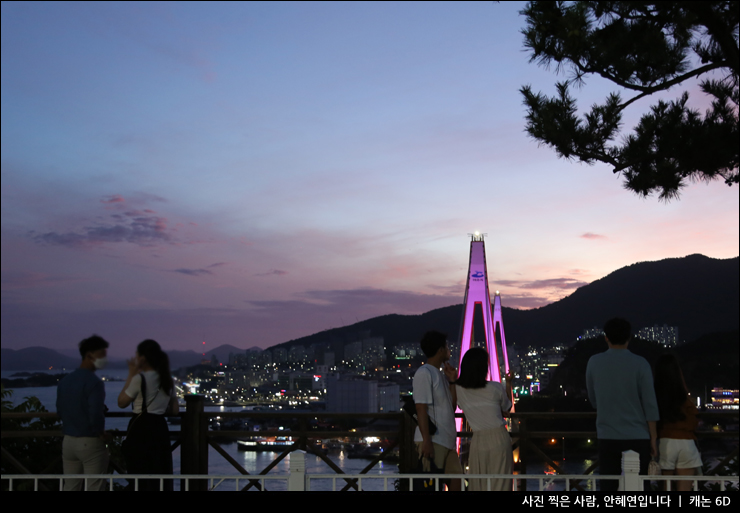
270	444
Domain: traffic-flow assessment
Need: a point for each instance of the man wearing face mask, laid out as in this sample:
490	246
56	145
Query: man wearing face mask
81	406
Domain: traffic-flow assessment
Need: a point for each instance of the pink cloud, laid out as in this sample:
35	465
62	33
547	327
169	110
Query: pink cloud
115	198
589	235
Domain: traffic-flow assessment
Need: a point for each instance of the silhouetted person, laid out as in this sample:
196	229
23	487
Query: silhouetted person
151	390
81	406
677	427
435	400
620	387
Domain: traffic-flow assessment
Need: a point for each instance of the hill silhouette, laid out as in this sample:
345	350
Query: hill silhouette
36	358
698	294
710	361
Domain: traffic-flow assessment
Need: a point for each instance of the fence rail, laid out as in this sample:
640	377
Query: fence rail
695	480
195	438
299	480
214	481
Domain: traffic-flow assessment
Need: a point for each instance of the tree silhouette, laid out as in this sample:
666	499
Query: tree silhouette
644	48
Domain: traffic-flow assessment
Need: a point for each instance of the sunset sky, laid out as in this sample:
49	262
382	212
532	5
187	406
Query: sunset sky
249	173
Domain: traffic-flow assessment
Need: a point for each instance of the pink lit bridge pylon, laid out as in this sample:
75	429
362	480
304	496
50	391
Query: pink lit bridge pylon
476	293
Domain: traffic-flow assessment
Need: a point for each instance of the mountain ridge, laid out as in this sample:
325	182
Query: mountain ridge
646	293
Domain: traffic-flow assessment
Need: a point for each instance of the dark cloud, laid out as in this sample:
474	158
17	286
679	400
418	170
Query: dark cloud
261	323
589	235
143	230
557	283
193	272
199	272
25	279
524	301
509	283
449	290
349	303
273	272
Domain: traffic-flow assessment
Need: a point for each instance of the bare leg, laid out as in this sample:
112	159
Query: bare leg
667	483
685	486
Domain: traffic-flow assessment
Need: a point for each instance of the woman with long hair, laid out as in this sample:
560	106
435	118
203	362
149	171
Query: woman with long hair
484	403
679	454
151	390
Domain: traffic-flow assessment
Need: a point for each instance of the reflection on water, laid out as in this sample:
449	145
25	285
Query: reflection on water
556	483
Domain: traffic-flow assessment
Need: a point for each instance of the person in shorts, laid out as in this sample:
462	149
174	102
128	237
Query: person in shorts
435	399
679	454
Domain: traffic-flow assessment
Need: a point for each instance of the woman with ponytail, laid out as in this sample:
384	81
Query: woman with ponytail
679	454
150	389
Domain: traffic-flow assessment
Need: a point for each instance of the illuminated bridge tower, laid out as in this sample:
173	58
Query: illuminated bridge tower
476	293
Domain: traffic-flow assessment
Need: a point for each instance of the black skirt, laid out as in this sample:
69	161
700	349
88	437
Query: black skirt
147	449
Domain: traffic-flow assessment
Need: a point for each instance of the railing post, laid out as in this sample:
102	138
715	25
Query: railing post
523	442
297	479
631	471
407	449
194	448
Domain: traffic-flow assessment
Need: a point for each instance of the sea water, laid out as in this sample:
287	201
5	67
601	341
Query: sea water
254	462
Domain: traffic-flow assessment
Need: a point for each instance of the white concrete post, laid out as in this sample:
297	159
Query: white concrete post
297	479
631	471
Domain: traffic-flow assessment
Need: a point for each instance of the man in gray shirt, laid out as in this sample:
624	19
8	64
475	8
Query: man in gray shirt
435	399
620	387
81	406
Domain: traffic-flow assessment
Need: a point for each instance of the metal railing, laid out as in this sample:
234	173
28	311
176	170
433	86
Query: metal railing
694	480
299	480
544	481
195	439
134	479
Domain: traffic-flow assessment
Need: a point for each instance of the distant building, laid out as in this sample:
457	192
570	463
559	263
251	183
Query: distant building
406	350
297	353
389	398
246	378
279	355
330	359
373	351
545	374
365	353
725	399
351	395
300	381
264	358
591	333
352	352
665	335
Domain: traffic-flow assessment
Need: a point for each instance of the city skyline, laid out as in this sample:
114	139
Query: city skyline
257	172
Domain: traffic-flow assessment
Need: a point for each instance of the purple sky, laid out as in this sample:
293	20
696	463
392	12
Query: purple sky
248	173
